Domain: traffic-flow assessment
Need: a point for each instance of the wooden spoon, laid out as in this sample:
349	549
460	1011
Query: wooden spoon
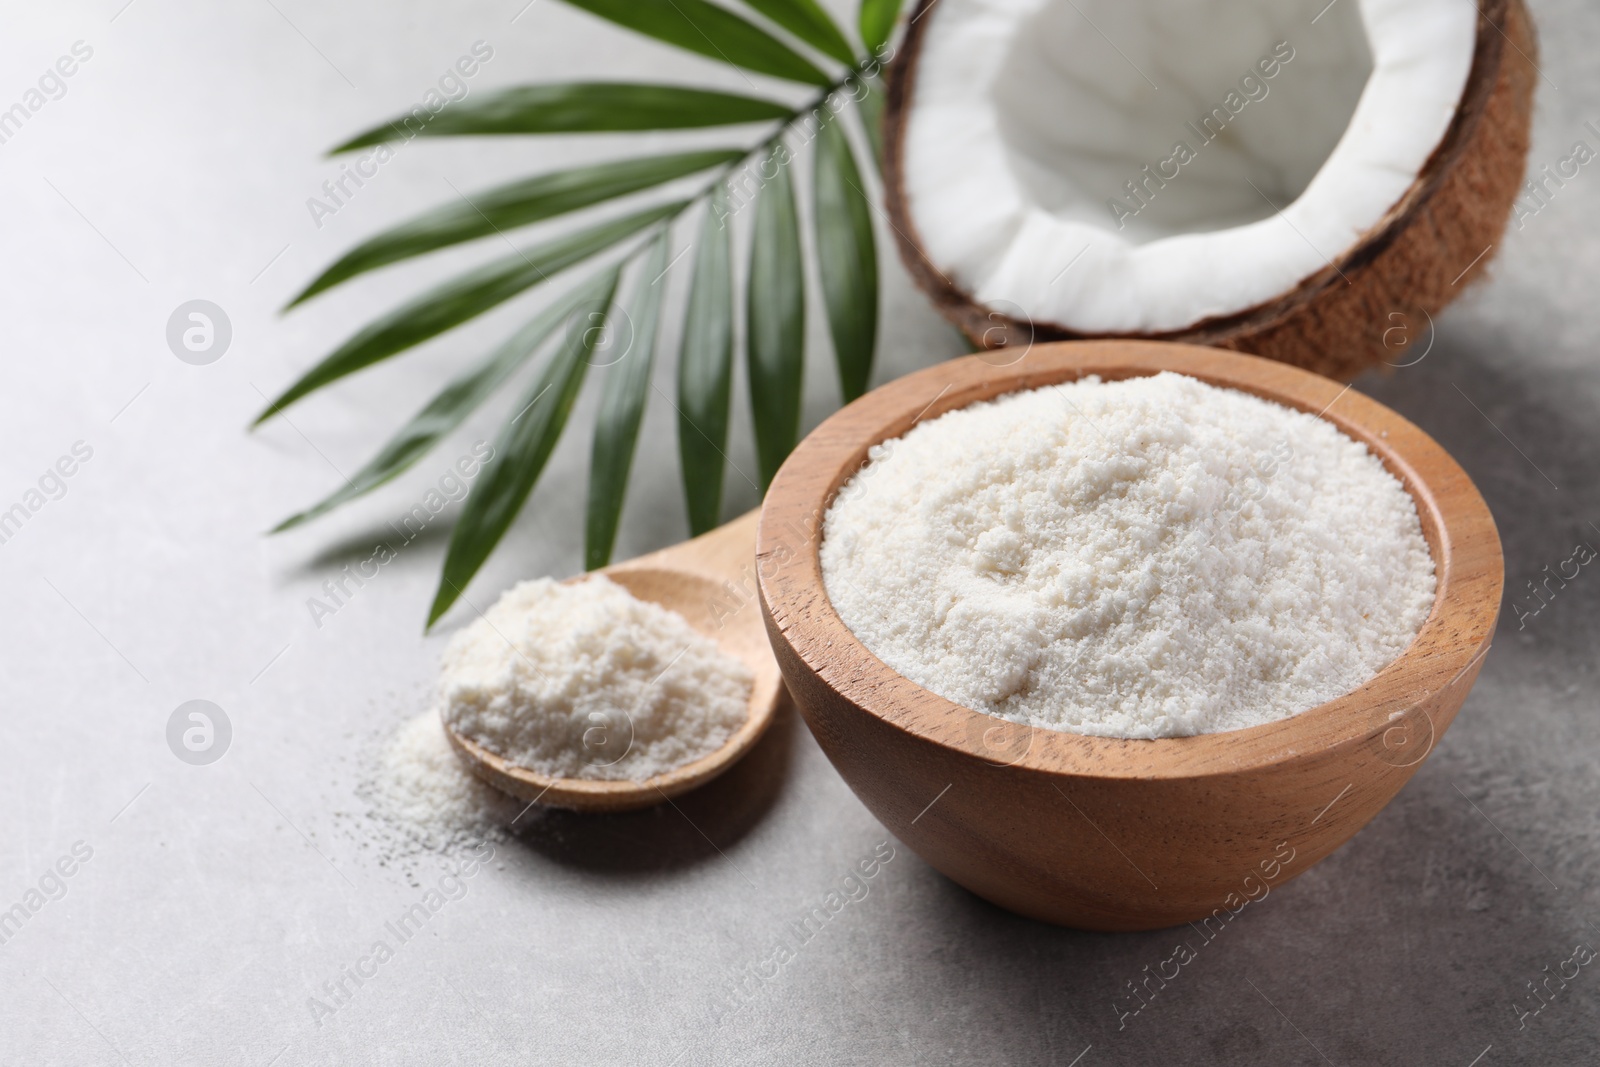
711	582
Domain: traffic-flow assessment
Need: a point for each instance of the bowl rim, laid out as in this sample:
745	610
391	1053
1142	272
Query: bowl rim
1456	521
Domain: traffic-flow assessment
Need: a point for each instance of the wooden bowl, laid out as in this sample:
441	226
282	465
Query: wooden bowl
1108	833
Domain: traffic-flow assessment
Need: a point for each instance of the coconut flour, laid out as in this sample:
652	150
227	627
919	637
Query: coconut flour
423	790
584	680
1143	558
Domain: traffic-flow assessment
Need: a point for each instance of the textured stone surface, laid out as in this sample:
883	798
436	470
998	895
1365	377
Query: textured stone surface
219	898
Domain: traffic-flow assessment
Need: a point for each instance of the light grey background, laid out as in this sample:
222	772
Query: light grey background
219	898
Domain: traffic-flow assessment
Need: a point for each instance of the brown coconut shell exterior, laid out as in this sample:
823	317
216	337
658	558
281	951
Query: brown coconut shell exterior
1435	241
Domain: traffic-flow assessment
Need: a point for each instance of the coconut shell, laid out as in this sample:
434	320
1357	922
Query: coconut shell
1373	300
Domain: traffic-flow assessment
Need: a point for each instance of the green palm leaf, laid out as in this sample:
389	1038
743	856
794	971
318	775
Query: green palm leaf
847	257
461	298
616	428
713	31
877	23
776	317
523	448
785	39
450	407
870	109
509	206
705	369
576	107
807	21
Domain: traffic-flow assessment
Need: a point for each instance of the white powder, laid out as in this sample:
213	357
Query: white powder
1145	558
423	788
584	680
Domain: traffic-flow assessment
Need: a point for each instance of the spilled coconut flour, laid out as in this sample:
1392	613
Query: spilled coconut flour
579	680
422	788
1152	557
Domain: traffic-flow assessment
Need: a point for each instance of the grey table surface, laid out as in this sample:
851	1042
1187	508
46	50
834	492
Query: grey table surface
216	900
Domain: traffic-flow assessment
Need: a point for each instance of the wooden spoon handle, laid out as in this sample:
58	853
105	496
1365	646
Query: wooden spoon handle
724	554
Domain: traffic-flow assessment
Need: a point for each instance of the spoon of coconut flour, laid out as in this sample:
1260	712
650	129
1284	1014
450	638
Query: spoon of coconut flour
620	688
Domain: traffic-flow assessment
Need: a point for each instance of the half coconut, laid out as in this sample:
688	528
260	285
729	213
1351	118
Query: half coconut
1303	181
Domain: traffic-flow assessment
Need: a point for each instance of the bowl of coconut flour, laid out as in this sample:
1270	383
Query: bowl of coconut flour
1124	634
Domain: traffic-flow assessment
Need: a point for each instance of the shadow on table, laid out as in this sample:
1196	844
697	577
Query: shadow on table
1427	915
353	549
688	829
1529	442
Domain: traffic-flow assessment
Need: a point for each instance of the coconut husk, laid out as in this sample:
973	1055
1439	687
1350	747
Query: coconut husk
1375	297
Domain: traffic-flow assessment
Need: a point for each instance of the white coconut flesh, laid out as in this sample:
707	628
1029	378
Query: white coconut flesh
1246	144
